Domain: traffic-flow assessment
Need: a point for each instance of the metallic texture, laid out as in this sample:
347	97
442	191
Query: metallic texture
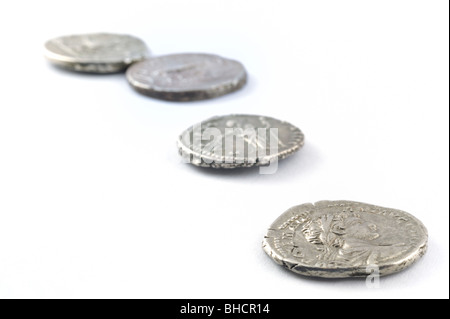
289	139
96	52
337	239
187	77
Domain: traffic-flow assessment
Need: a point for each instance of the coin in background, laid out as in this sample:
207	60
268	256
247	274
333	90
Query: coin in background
186	77
95	52
338	239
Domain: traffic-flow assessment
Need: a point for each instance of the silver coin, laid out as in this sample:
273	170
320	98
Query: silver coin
338	239
233	141
96	52
187	77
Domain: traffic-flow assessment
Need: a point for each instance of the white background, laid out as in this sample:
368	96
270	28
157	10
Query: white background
95	203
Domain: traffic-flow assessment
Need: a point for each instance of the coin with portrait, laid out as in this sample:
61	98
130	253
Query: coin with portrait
337	239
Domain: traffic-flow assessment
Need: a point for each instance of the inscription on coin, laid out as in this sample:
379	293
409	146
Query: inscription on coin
338	239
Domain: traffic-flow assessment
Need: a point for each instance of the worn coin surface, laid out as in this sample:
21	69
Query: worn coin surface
96	52
338	239
233	141
187	77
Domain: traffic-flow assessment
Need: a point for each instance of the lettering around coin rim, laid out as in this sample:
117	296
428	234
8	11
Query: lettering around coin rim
339	239
95	52
288	140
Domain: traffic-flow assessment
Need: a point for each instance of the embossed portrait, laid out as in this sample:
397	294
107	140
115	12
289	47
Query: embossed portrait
345	239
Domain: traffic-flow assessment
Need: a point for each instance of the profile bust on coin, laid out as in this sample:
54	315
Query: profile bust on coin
346	239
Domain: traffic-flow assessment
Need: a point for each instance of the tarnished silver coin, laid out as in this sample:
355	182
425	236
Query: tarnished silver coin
187	77
233	141
338	239
96	52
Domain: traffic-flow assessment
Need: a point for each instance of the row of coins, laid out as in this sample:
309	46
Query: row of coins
332	239
174	77
185	77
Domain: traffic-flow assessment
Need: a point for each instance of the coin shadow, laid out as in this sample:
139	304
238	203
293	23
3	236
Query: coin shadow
67	71
305	161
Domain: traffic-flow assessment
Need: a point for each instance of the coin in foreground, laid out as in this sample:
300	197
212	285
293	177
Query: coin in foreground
95	52
187	77
234	141
338	239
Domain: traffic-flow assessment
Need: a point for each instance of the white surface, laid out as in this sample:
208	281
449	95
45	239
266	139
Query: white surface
94	201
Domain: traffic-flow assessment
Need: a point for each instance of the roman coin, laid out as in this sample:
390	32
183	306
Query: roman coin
234	141
338	239
187	77
96	52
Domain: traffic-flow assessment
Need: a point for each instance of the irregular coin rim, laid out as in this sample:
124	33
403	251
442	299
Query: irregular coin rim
386	268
